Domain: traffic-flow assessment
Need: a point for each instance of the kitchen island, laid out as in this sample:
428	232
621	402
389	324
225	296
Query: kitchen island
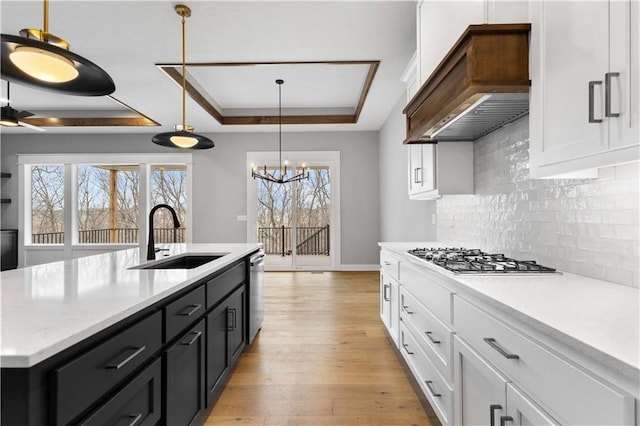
83	339
543	348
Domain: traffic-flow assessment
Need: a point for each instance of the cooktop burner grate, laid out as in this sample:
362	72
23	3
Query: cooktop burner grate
474	261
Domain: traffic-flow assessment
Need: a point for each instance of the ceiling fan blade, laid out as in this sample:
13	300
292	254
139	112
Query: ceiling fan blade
23	114
31	126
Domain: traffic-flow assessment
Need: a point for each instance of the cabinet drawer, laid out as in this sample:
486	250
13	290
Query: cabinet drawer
428	289
84	380
433	385
219	287
180	314
138	403
432	334
570	394
390	264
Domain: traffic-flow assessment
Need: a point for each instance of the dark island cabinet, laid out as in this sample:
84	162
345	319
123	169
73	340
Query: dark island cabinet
164	365
226	339
185	374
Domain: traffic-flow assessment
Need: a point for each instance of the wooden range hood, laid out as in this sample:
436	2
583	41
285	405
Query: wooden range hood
480	85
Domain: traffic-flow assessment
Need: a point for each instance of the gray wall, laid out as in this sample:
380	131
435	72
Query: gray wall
219	187
585	226
401	219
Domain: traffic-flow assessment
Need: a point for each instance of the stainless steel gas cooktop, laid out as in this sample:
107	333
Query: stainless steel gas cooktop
474	261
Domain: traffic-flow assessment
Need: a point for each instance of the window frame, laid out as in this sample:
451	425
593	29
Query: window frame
71	248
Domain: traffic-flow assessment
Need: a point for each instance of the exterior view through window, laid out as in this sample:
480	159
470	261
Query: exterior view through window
169	186
47	204
108	200
108	204
294	219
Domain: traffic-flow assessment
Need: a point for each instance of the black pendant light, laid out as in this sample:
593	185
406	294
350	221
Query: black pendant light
183	136
40	59
282	177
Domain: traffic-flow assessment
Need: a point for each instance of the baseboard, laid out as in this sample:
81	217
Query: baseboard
357	268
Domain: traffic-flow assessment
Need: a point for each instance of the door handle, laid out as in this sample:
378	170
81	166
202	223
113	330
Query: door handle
384	293
492	413
607	94
429	384
592	85
505	419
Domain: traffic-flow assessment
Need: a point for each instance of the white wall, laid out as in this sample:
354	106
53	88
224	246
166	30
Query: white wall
585	226
401	219
219	187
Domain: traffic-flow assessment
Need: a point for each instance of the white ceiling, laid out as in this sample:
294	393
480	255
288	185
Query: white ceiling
127	39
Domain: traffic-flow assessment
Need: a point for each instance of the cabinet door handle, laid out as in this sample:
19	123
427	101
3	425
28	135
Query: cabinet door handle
191	311
592	85
196	336
429	384
406	309
429	335
492	342
405	346
384	293
232	311
415	175
115	365
505	419
607	94
492	413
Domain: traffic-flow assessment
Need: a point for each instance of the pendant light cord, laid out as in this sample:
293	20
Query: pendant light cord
184	78
280	126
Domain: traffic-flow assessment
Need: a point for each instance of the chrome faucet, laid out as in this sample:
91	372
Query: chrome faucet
151	246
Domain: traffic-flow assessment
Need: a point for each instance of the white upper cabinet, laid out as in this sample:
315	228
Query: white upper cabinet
583	104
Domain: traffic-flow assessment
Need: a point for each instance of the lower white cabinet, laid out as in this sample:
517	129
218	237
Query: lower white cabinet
485	396
389	304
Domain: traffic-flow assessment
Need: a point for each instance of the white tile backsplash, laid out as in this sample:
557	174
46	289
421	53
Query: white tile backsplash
585	226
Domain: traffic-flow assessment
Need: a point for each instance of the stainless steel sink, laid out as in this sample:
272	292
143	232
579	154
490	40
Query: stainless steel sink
185	261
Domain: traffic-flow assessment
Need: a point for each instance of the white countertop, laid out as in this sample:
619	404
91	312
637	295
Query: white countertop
598	318
48	308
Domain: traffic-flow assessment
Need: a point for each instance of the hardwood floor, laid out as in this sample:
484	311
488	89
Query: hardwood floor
322	358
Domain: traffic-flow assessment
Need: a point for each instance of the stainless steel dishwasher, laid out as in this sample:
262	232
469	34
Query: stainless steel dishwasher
256	294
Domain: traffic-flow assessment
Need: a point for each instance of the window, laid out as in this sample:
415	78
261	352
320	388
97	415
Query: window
108	202
47	204
101	199
169	186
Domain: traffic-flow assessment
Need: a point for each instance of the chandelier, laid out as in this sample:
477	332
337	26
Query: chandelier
281	175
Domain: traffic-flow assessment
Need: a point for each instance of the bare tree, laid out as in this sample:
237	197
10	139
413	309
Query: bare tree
47	199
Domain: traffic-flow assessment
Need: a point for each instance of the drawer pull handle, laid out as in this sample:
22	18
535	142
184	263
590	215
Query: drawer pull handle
196	336
607	94
592	85
492	342
191	311
505	419
429	384
118	365
405	346
429	335
406	309
135	418
387	263
384	293
492	413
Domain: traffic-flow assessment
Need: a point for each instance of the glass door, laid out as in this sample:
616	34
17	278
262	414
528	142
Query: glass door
295	221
